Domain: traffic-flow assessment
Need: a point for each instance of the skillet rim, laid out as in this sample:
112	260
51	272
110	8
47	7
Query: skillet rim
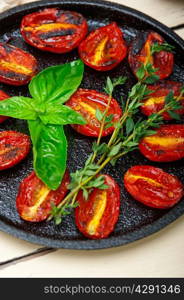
143	231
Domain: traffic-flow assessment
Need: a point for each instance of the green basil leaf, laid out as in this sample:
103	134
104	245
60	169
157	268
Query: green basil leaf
57	83
49	152
61	115
18	107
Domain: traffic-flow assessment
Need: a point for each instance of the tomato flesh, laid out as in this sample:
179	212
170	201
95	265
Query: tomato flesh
3	96
97	216
167	144
34	200
140	53
156	100
17	67
86	102
14	147
104	48
54	30
153	187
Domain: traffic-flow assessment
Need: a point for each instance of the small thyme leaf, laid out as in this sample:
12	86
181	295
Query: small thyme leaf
109	118
115	149
151	79
100	149
119	81
113	162
174	115
85	193
97	182
149	132
59	212
182	90
169	97
110	85
129	125
140	72
161	47
108	125
99	115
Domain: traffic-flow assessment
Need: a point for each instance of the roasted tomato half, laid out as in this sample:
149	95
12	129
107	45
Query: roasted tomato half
54	30
34	200
140	53
86	102
14	146
153	187
104	48
156	100
3	96
17	67
166	145
97	216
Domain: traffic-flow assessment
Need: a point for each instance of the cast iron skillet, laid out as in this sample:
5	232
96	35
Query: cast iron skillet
136	220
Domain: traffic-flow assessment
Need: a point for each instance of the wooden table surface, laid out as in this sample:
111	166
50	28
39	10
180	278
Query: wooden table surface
159	255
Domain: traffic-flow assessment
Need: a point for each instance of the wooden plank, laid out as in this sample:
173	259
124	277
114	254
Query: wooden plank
180	32
159	255
11	247
169	12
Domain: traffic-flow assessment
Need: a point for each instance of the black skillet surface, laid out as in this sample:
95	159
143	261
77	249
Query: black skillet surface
136	220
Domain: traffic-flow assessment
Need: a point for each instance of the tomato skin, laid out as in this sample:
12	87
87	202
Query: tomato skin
44	31
85	212
28	197
104	48
164	146
14	147
17	66
139	53
3	96
153	187
93	100
155	102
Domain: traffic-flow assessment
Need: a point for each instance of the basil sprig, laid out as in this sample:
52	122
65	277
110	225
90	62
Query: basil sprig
46	115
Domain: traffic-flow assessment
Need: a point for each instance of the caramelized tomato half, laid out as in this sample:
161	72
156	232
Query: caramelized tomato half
153	187
3	96
104	48
14	146
34	198
97	216
17	67
140	53
54	30
86	102
166	145
156	100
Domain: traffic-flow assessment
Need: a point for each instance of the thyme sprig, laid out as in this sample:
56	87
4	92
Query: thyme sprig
124	139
